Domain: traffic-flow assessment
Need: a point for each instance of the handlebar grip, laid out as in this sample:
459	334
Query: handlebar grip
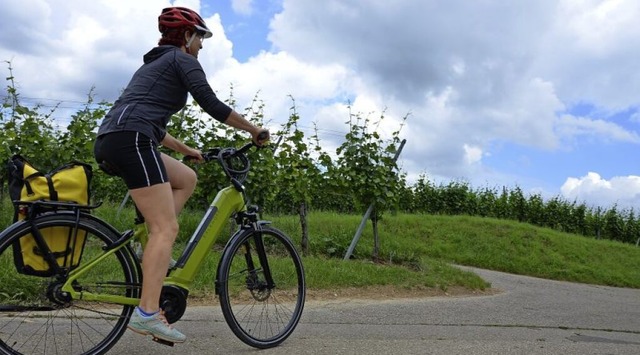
263	135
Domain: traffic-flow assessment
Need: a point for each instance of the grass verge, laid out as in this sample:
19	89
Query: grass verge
416	252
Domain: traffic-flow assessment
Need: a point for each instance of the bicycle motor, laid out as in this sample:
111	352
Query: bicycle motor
173	301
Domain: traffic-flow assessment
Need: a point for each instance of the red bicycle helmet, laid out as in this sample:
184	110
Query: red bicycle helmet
177	17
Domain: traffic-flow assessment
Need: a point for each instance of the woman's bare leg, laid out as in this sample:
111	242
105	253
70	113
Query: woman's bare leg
156	204
160	205
183	181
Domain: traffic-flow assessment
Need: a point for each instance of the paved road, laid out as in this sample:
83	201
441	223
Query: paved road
529	316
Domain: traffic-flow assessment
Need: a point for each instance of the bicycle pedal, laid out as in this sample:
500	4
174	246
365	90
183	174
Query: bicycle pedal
163	342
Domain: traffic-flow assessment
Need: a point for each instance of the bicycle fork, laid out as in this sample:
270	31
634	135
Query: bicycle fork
250	224
262	257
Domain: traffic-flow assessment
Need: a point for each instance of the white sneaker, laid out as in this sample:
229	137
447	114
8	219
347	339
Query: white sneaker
156	326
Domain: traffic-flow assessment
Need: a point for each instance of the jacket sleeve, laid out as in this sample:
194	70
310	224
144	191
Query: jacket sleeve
195	80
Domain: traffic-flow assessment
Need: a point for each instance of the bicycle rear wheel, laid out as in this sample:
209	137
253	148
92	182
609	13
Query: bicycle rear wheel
261	287
36	317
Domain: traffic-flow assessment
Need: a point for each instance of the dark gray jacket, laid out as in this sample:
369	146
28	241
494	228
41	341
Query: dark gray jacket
158	90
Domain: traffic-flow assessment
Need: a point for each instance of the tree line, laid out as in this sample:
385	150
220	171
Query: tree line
296	174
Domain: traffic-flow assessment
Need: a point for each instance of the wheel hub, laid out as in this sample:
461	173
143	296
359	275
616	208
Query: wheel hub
56	295
259	289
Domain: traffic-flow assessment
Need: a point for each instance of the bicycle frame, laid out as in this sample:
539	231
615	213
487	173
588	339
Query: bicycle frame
228	201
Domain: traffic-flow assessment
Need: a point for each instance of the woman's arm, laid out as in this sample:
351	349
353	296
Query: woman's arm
199	87
237	121
172	143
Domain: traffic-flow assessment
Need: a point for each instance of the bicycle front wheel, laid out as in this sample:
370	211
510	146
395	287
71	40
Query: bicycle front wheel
36	316
261	287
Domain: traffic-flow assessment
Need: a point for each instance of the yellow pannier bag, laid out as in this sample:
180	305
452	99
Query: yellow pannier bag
68	183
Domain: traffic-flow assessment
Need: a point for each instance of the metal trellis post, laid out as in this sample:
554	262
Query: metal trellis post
363	223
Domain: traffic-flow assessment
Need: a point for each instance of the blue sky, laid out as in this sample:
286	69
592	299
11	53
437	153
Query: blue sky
541	95
246	26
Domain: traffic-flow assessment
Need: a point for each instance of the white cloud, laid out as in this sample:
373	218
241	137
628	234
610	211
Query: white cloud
473	154
589	52
470	75
593	189
600	26
571	127
504	78
275	76
66	47
244	7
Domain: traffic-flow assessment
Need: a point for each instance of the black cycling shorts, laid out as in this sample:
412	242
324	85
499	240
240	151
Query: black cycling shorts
133	156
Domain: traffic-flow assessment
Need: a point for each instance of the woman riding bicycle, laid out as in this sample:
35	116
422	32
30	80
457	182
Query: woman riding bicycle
128	141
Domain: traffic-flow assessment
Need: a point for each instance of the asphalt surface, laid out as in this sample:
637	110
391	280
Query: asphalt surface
528	316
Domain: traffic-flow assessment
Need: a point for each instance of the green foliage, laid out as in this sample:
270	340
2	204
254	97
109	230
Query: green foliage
76	142
27	131
457	198
295	167
366	166
362	171
197	129
23	130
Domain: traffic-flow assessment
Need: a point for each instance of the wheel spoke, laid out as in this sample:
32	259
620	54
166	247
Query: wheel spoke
36	317
260	315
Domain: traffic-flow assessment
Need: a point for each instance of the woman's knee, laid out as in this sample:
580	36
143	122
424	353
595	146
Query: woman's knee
165	230
191	179
181	176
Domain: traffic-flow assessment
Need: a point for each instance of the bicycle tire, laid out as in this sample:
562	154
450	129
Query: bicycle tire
259	315
34	321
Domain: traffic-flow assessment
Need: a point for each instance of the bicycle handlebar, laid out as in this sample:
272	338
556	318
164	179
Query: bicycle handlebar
234	161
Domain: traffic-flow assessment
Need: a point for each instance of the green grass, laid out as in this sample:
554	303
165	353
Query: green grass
417	251
426	245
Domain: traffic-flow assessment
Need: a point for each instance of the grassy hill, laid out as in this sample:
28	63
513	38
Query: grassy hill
417	252
427	244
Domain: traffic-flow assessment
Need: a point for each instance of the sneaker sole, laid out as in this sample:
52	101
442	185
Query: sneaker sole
146	332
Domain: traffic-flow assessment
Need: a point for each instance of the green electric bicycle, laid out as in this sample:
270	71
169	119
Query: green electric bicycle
82	301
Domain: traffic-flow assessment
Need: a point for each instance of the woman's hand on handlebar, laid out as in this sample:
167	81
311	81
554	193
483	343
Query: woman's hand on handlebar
194	155
260	136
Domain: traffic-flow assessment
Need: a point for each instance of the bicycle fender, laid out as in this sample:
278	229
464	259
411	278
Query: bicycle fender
11	229
235	235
